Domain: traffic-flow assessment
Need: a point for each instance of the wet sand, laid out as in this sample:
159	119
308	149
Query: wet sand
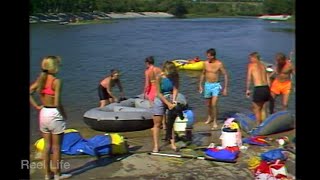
138	164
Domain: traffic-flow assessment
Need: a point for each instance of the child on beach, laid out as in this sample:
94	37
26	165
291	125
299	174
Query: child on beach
51	114
105	88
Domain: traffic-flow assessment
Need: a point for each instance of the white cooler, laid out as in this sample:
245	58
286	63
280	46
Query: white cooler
180	125
228	139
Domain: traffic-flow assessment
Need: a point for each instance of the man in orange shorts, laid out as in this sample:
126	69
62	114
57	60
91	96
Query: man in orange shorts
282	83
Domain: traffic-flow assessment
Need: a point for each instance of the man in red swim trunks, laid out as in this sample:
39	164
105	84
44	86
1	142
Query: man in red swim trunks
282	83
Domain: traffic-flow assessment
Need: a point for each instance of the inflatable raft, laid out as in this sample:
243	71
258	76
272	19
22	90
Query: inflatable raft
121	117
133	114
184	64
278	122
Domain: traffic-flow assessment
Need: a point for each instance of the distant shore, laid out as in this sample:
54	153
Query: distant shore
97	17
94	17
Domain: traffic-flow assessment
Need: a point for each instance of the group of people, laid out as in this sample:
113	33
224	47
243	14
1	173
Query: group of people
161	89
268	85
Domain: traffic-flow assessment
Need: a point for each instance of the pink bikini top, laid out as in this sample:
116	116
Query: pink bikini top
48	88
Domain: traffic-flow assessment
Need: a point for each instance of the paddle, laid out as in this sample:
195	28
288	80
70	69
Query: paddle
190	157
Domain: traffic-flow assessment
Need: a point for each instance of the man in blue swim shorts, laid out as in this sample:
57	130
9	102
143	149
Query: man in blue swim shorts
211	89
211	72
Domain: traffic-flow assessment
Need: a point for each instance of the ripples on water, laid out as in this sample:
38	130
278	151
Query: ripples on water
89	52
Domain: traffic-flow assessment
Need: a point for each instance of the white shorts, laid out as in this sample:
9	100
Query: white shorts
51	121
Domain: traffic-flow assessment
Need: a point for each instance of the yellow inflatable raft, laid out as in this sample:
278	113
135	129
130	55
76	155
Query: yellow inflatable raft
187	65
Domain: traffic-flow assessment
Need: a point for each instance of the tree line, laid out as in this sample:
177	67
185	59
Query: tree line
176	7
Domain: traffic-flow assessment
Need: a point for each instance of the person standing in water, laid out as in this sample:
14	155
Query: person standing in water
211	72
51	114
282	84
256	72
105	88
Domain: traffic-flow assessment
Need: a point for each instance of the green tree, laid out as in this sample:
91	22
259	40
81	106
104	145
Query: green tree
102	5
178	10
279	6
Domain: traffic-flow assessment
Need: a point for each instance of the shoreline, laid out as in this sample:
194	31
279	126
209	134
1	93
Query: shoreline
137	163
98	17
101	17
66	18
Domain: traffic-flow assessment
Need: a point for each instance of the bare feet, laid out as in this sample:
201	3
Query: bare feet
214	127
208	121
173	145
155	150
164	126
258	124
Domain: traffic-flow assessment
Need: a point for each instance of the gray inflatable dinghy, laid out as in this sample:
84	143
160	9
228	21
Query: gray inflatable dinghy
133	114
120	117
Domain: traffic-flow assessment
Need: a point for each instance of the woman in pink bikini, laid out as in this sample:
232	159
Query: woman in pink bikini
51	114
150	88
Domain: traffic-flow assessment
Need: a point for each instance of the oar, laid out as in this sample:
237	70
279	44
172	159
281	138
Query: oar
190	157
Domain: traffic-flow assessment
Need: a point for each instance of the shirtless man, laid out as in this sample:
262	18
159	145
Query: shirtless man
282	83
261	93
211	72
150	89
105	88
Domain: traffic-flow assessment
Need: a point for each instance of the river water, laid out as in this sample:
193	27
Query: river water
90	51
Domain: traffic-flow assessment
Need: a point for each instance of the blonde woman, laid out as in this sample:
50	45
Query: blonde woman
167	91
51	114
